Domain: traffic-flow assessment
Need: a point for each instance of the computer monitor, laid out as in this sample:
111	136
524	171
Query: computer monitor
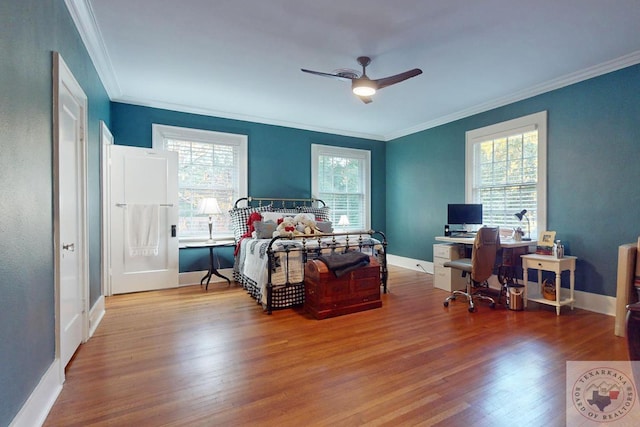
462	214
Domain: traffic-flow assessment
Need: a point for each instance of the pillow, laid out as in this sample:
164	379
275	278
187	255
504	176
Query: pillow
291	211
239	218
264	229
321	214
253	218
272	216
325	227
305	215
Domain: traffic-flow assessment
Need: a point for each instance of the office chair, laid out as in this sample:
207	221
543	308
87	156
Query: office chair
479	267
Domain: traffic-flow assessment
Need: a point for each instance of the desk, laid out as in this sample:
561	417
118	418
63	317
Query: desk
511	249
504	243
510	252
213	271
557	265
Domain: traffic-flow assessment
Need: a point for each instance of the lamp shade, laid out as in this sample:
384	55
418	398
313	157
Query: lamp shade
208	206
521	214
344	220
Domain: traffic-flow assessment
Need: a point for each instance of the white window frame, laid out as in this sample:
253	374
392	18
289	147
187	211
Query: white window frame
519	125
318	150
160	133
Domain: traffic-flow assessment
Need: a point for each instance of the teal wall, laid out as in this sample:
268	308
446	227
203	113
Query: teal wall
29	31
593	174
593	198
279	159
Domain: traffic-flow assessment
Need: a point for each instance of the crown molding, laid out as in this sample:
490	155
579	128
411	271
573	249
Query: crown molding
82	15
569	79
242	117
84	19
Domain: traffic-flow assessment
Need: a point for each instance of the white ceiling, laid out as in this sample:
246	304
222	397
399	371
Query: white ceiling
241	59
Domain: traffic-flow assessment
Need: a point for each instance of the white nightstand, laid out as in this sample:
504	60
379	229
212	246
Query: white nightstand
549	263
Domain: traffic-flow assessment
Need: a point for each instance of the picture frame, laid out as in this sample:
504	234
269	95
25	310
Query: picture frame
547	238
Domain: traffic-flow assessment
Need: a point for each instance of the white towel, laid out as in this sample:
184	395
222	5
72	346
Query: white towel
142	225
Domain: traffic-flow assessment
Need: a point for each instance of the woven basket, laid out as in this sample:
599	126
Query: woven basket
549	290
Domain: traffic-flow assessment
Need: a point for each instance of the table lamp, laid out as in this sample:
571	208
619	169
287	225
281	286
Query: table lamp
343	222
523	214
209	206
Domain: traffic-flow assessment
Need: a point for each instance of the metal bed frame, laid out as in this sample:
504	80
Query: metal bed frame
353	240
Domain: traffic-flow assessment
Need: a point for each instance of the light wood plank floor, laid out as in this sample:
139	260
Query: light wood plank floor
187	357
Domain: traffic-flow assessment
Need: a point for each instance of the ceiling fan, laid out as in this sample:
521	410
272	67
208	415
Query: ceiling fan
362	85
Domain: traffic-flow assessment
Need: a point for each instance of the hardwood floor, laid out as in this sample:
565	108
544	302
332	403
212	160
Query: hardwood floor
187	357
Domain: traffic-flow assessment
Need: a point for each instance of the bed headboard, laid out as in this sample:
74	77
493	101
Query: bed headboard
279	202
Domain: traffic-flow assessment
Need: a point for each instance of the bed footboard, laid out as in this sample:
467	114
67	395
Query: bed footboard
284	252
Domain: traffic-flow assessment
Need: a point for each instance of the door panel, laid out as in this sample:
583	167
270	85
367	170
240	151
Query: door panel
70	210
148	177
70	289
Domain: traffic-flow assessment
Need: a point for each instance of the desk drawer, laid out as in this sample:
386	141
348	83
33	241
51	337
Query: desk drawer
448	252
448	279
439	262
543	265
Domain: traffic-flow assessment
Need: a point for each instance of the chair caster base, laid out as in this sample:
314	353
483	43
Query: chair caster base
446	303
471	309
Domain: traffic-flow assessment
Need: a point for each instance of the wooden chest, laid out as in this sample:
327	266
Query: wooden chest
327	295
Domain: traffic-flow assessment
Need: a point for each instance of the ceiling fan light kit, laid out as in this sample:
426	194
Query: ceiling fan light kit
363	86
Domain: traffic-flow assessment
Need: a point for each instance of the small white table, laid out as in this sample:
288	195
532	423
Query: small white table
549	263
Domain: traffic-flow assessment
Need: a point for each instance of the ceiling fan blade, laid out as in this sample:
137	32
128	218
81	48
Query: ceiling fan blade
391	80
320	73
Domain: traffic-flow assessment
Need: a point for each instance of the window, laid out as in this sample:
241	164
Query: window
341	178
506	172
211	164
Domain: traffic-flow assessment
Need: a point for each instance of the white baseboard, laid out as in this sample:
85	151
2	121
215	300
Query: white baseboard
37	407
410	263
193	277
96	313
602	304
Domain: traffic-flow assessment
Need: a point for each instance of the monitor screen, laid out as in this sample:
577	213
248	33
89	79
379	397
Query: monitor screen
464	214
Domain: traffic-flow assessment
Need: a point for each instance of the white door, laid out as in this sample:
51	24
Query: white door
143	187
71	253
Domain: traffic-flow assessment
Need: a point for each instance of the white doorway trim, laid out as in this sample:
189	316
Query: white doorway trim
106	139
62	76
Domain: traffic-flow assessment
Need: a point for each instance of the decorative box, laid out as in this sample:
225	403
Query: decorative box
327	295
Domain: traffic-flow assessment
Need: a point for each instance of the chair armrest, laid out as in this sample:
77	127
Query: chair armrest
463	264
635	307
